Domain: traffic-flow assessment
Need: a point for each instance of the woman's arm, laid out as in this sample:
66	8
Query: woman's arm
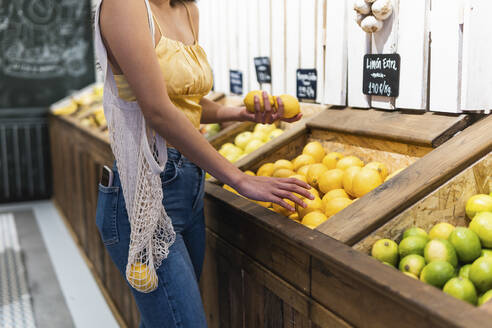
126	32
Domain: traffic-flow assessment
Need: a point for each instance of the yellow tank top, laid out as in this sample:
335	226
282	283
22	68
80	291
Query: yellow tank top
186	71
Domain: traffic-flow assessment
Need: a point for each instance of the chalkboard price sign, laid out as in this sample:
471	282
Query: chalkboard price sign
307	84
236	82
382	75
263	69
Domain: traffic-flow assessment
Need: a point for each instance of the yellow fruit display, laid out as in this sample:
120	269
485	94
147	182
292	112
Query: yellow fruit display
348	179
291	105
314	173
275	133
380	168
392	175
260	135
302	160
316	150
335	193
331	160
243	139
266	170
299	177
265	128
283	173
312	205
283	164
303	170
142	278
294	216
253	145
330	180
282	210
314	219
335	205
229	188
349	161
264	204
478	203
249	100
250	173
365	181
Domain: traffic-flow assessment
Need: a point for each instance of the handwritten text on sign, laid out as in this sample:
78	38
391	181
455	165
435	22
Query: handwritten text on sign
236	82
263	69
382	75
307	84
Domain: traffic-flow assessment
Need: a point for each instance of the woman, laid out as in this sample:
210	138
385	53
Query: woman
156	77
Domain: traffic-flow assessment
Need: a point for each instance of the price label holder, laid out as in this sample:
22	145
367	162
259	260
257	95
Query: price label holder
307	84
381	75
263	69
236	82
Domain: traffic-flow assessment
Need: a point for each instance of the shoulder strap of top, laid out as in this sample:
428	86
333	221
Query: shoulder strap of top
190	21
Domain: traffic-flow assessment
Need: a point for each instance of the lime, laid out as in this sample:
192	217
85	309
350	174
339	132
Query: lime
389	264
466	243
415	231
437	273
481	273
478	203
465	271
385	250
441	231
486	253
485	297
412	263
440	250
411	275
412	245
461	288
482	226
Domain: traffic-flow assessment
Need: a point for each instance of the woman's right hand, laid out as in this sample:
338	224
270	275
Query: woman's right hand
274	190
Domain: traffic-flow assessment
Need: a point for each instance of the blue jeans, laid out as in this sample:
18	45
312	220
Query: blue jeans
176	302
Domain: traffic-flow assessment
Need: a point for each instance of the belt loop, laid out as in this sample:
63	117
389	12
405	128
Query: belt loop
181	159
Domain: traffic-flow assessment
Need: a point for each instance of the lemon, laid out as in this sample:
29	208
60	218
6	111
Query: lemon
478	203
485	297
412	245
465	271
260	135
302	160
266	170
348	179
314	173
412	263
315	149
335	205
385	250
283	164
303	170
229	188
335	193
392	175
486	253
142	278
249	100
365	181
440	250
481	274
291	105
437	273
312	205
299	177
331	179
482	226
312	191
349	161
411	275
274	134
233	157
380	168
466	243
242	139
461	288
283	173
294	216
313	219
264	204
331	160
282	210
415	231
441	231
250	173
265	128
227	147
253	145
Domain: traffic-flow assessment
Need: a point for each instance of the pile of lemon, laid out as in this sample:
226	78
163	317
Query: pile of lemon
456	259
336	182
247	141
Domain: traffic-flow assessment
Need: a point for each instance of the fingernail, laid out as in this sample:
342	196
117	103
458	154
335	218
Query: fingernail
304	205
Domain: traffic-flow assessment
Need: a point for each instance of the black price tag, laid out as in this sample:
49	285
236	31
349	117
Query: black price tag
263	69
307	84
236	82
382	75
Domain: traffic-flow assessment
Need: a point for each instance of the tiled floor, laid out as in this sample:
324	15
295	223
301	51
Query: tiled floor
62	287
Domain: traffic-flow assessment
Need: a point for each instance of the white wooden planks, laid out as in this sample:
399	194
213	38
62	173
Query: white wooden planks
242	44
336	53
476	92
307	31
278	47
413	47
264	37
253	40
320	48
292	45
445	68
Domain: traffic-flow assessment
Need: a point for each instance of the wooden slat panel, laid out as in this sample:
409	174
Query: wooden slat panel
273	310
293	45
221	74
278	47
445	75
293	319
307	47
209	285
254	303
253	40
264	37
413	47
320	48
336	53
242	44
477	51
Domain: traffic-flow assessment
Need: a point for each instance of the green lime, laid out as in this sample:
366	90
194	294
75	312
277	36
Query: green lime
485	297
411	275
389	264
465	271
481	273
482	226
415	231
441	231
440	250
461	288
437	273
486	253
412	263
412	245
466	243
385	250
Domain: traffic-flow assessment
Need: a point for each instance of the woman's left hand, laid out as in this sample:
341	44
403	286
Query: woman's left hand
269	115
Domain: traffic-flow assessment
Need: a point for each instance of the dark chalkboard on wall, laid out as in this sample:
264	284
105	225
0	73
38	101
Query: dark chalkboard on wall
45	50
